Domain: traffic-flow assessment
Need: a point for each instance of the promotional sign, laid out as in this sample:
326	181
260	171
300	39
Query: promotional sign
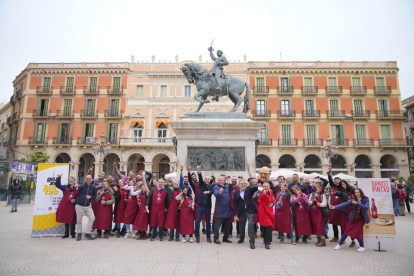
47	200
381	212
19	167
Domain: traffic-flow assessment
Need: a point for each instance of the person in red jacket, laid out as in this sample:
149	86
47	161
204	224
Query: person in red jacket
66	211
266	217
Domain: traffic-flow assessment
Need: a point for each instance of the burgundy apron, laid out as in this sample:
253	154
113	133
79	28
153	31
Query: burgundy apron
336	217
187	217
283	217
142	218
120	205
131	209
317	219
172	217
303	224
235	188
157	212
103	219
66	209
354	229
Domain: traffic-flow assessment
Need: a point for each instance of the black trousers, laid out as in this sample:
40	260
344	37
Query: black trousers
177	233
72	229
267	235
160	233
407	203
226	223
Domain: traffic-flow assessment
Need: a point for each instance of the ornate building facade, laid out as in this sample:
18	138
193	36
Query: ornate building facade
65	108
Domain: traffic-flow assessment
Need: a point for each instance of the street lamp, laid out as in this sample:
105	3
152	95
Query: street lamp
102	148
330	151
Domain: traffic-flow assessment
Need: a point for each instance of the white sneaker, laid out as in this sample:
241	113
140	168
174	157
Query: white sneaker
361	249
184	240
127	235
337	247
191	240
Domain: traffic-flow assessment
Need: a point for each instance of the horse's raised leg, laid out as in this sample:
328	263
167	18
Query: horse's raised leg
200	96
201	103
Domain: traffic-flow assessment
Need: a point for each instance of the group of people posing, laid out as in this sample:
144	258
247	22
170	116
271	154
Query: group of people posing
147	208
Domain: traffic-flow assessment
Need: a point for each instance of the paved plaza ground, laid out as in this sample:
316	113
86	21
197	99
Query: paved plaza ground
22	255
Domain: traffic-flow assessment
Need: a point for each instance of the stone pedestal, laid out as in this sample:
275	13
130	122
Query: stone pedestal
222	142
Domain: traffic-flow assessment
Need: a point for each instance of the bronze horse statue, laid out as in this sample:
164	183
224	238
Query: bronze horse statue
232	87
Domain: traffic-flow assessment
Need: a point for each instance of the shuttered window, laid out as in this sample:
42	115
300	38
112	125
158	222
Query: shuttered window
163	91
286	135
67	107
69	85
360	134
311	134
385	135
358	112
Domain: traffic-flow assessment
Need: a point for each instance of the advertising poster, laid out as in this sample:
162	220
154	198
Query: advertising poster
47	200
382	226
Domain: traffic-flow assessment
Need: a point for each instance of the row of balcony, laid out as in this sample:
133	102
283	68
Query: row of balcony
68	90
69	114
130	141
313	90
338	142
17	96
329	113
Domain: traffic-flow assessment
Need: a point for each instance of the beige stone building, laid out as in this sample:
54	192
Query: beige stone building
408	105
4	128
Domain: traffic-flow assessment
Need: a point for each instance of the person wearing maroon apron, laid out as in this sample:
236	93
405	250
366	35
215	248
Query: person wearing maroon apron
233	189
302	220
336	215
157	203
357	218
317	200
186	214
66	210
345	192
283	214
142	218
121	198
172	219
131	208
105	198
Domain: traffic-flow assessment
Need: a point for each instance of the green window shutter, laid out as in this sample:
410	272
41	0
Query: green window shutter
67	107
380	82
46	110
117	111
286	134
331	81
93	111
91	132
265	106
356	82
35	131
334	132
39	105
385	132
69	132
43	133
59	133
267	131
83	133
108	131
360	131
358	108
115	138
308	81
341	131
117	82
21	86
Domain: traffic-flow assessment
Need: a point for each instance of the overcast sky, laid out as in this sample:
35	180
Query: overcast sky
92	31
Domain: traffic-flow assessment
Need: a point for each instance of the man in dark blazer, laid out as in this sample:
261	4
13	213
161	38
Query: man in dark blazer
244	209
223	210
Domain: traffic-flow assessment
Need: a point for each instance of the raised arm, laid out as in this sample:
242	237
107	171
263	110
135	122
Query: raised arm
120	175
59	183
213	57
248	170
190	180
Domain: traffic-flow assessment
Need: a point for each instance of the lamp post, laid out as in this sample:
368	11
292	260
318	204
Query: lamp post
102	148
329	151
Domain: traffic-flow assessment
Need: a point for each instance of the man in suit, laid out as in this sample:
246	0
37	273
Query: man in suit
223	210
244	209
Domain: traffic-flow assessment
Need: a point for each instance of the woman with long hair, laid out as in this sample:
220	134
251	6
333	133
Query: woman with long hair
121	197
345	192
357	218
317	200
186	208
266	216
142	219
283	214
66	210
302	219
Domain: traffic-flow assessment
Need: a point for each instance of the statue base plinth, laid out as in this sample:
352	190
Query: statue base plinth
223	143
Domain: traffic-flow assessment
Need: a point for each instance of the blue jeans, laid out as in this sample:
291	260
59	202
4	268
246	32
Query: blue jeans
289	236
207	213
326	223
343	238
395	202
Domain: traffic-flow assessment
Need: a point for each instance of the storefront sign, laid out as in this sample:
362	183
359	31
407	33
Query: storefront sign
381	212
47	200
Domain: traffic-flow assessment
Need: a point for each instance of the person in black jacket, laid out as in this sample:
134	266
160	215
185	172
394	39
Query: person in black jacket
203	200
87	193
244	209
16	190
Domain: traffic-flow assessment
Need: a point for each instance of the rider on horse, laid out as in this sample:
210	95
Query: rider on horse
217	71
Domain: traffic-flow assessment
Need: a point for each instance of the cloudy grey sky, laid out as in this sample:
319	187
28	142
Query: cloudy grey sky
91	31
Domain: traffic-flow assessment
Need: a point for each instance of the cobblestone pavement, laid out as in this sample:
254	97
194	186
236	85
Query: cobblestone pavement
22	255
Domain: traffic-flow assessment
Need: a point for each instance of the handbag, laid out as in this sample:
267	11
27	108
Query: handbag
326	212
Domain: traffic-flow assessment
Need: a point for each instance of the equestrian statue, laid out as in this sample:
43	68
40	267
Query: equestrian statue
215	84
